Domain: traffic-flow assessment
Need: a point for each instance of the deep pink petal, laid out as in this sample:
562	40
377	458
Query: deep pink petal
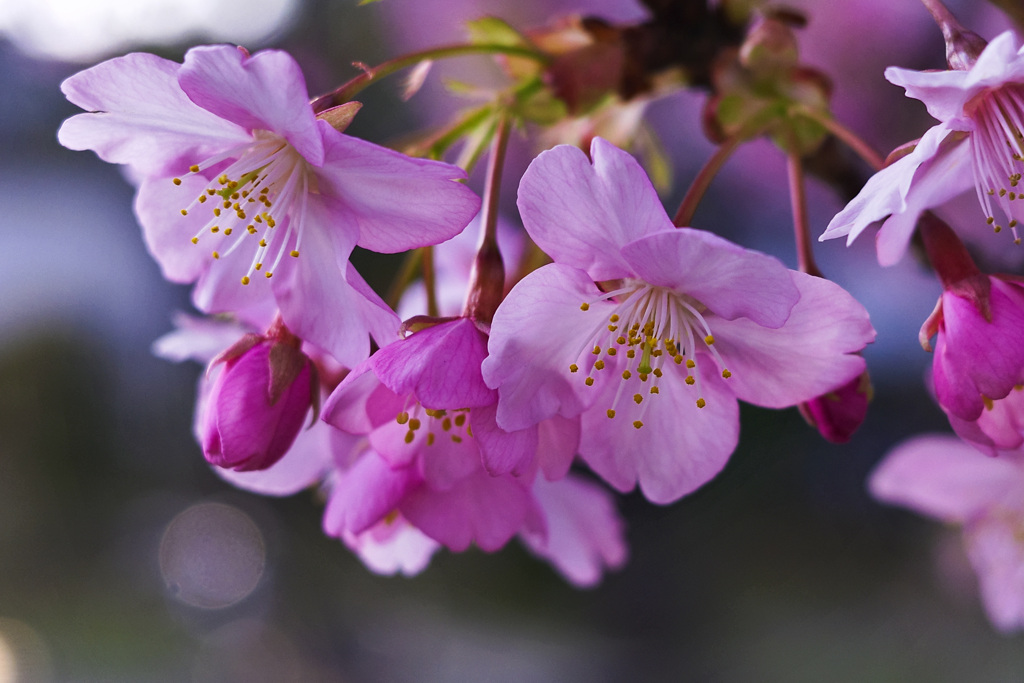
585	534
361	403
366	493
730	280
536	335
999	428
479	509
394	202
810	355
680	446
503	452
263	92
141	116
305	464
446	462
943	477
439	364
582	213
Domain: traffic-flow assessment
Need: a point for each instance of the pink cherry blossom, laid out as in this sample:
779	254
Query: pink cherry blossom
942	477
978	142
241	183
650	333
838	413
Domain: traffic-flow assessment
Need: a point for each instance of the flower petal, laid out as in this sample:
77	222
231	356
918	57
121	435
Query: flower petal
305	464
813	353
394	202
266	91
730	280
141	116
581	214
503	452
585	534
366	493
680	446
535	336
941	476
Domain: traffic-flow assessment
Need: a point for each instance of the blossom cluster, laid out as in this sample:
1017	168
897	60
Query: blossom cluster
606	344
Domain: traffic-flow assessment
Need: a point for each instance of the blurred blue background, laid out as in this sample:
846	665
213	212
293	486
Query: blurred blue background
124	558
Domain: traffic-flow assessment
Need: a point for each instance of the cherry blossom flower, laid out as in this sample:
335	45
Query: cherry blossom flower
978	142
239	183
650	333
942	477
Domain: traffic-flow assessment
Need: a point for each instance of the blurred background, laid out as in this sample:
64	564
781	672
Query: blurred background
124	558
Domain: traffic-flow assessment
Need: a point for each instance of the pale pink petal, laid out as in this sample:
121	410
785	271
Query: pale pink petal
581	214
365	494
361	403
447	462
141	117
680	446
479	509
1001	62
168	234
585	534
730	280
536	335
266	91
439	364
943	92
196	338
943	477
394	202
810	355
404	549
999	428
994	547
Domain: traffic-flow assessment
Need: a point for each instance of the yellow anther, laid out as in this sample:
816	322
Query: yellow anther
223	179
294	253
596	351
216	254
987	401
263	243
638	398
409	436
678	359
626	374
210	191
259	266
245	280
195	240
610	413
614	318
643	376
701	403
631	353
216	212
638	424
414	424
574	368
269	274
709	340
690	363
202	199
599	365
612	351
456	438
402	418
589	381
215	229
430	438
655	390
621	340
251	229
613	328
658	372
690	380
257	218
998	228
194	168
584	306
227	231
446	424
176	181
184	212
460	420
726	374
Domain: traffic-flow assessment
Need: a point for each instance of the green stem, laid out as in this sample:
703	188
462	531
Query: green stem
347	91
862	149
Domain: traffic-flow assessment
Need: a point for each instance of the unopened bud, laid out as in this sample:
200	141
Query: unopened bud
258	403
837	414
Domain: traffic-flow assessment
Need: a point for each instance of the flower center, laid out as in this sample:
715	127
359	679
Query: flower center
997	152
650	331
452	423
259	198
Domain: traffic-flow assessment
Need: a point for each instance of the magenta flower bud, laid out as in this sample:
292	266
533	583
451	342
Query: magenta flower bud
838	414
257	404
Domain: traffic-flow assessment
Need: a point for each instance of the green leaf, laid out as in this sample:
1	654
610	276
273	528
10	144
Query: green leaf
494	31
